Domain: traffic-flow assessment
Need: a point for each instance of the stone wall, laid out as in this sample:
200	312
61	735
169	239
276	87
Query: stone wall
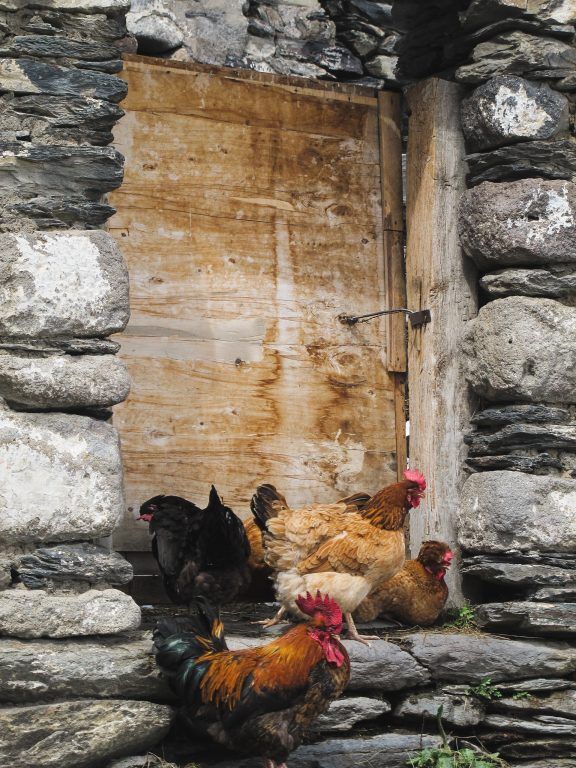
351	40
63	291
107	695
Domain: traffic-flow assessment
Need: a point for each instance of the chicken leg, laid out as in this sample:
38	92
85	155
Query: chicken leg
266	623
353	632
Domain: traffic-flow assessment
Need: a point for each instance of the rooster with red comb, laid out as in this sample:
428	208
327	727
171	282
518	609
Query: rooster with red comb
344	549
259	701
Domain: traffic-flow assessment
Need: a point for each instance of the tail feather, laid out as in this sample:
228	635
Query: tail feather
223	540
180	642
266	504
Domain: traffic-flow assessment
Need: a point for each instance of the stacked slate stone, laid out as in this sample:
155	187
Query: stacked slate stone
349	40
64	290
518	224
386	715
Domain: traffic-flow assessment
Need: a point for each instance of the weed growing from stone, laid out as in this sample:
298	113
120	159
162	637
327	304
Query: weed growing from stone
447	757
463	618
485	690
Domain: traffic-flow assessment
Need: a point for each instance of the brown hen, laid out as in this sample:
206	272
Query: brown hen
416	594
344	549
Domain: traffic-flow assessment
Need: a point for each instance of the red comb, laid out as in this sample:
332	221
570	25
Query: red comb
325	605
414	476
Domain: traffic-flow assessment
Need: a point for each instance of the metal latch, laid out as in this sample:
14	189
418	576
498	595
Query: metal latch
417	318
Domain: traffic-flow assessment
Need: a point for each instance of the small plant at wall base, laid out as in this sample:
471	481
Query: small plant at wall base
447	757
463	618
485	690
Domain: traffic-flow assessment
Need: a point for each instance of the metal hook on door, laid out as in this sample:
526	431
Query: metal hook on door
417	318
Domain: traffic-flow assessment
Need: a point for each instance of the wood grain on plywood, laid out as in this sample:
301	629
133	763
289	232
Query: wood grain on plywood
250	219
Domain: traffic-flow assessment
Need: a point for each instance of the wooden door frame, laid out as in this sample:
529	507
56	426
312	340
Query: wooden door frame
441	279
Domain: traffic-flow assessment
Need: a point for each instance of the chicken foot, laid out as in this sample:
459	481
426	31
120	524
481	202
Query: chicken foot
353	632
272	764
266	623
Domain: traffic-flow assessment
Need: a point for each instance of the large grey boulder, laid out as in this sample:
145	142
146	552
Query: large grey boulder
552	281
531	221
528	618
503	511
518	53
383	667
81	733
106	667
545	725
508	109
521	348
62	478
63	381
56	284
345	713
81	562
31	614
468	658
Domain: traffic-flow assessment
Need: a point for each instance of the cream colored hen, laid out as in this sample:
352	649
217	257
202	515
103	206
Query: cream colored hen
343	549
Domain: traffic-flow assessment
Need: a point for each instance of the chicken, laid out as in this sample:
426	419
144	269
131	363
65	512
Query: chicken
416	594
259	701
200	552
345	549
261	588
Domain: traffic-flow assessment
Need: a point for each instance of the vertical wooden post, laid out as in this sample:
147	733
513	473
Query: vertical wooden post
389	129
441	279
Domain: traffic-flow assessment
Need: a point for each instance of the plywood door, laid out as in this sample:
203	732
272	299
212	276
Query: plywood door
251	217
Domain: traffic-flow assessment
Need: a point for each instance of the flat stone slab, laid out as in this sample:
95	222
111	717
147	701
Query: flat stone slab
531	618
23	75
79	733
514	437
542	725
63	478
392	750
63	381
537	413
106	667
518	574
551	282
503	511
518	53
531	221
345	713
554	159
31	614
63	563
521	348
459	710
508	109
62	284
383	667
562	703
44	169
469	658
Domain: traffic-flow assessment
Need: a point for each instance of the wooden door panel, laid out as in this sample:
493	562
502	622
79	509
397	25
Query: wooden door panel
250	218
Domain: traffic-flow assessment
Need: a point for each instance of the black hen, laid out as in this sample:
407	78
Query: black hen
200	552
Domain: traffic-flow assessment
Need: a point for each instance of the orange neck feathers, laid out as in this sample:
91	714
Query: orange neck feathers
388	508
